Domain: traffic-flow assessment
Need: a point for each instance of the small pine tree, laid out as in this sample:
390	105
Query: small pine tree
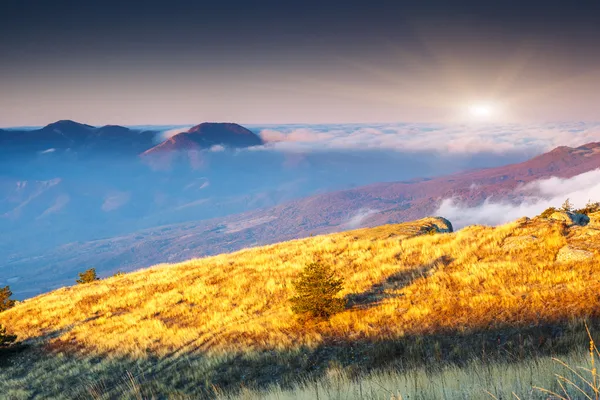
567	206
5	338
316	291
119	273
5	301
87	276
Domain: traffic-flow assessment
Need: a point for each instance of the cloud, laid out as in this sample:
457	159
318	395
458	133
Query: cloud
115	200
542	194
167	134
469	139
304	135
59	203
357	219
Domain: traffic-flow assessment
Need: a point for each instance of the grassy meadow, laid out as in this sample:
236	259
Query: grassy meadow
429	315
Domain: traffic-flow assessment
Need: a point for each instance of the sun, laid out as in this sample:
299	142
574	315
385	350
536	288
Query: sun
481	110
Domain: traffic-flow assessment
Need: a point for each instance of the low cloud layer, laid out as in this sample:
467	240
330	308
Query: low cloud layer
356	220
427	137
541	194
169	133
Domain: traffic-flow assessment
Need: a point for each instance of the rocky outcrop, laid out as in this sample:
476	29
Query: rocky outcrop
569	254
594	220
441	224
518	242
571	218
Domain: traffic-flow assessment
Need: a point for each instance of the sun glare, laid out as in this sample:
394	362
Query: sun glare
483	112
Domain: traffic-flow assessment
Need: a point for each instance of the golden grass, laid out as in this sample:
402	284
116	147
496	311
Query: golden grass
399	282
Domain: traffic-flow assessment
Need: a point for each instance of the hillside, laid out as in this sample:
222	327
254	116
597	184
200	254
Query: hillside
393	202
415	294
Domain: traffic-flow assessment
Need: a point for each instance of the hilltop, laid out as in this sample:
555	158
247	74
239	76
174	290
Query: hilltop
417	293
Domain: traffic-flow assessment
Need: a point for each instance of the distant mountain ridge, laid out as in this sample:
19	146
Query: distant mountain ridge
67	135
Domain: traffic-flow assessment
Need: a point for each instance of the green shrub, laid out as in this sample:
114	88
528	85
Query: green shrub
87	276
316	291
589	208
5	301
5	338
548	212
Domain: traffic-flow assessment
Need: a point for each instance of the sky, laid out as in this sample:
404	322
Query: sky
252	62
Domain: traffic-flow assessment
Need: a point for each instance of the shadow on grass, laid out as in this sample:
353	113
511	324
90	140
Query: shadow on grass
381	291
198	375
34	346
8	352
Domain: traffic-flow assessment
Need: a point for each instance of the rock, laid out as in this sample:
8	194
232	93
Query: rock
568	253
442	225
571	218
518	242
594	220
579	219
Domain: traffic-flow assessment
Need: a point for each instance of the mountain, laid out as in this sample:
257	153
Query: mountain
402	201
418	298
191	232
207	135
71	136
67	129
78	139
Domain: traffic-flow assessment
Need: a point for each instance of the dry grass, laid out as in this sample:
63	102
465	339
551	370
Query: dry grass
399	286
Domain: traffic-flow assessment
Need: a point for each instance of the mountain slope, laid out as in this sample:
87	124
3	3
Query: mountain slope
410	290
395	202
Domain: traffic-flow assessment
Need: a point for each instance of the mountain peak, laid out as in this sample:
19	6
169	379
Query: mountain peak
209	134
67	124
219	125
